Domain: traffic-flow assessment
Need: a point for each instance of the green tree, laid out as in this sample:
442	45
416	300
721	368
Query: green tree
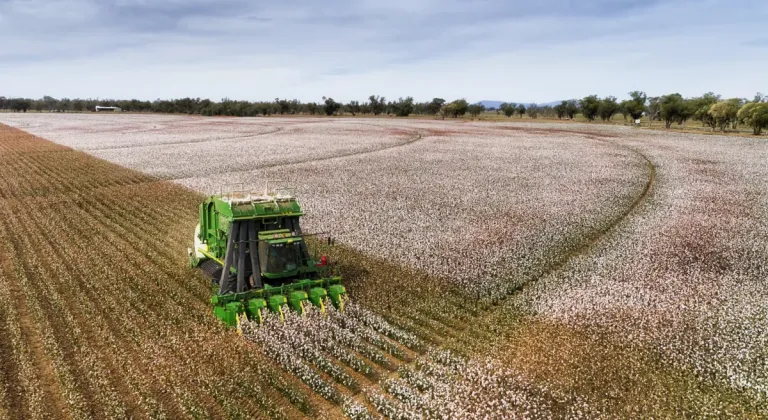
608	108
403	107
560	109
434	106
378	104
755	116
654	108
331	106
725	113
20	104
624	108
508	109
64	105
590	106
521	110
353	107
447	110
636	105
78	105
312	108
700	109
674	109
475	110
533	111
455	109
283	106
571	108
50	103
461	107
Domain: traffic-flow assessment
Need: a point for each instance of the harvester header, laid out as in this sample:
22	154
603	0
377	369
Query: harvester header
252	247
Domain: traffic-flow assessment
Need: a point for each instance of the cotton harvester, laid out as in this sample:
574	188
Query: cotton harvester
252	247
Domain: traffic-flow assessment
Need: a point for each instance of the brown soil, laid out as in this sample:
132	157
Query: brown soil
101	251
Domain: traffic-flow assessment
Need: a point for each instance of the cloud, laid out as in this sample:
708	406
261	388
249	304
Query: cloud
522	51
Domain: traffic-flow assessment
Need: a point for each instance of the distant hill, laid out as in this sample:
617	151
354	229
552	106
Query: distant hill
497	104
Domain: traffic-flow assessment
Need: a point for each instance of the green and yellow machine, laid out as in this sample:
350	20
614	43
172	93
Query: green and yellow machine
252	247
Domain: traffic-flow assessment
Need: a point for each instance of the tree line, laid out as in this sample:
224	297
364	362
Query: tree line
710	110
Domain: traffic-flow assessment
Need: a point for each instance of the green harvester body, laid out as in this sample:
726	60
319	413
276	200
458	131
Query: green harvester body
253	249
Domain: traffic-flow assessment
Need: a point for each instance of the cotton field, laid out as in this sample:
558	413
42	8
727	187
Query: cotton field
496	270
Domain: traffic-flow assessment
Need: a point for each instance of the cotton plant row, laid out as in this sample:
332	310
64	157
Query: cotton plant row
378	324
350	323
355	410
342	344
686	274
442	385
438	384
315	342
309	347
270	336
353	338
93	313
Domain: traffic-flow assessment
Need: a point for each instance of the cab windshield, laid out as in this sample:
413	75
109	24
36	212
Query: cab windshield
278	258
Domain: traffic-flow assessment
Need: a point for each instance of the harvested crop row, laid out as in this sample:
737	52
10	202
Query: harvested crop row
125	330
22	392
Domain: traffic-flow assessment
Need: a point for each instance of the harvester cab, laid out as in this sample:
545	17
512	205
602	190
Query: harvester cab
253	249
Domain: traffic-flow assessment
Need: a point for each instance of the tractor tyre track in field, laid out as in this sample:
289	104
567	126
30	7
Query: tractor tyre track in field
417	136
590	241
178	143
597	236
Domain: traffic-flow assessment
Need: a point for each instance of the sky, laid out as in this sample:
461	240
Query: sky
522	51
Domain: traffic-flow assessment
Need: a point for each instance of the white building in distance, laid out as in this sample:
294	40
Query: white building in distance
107	108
